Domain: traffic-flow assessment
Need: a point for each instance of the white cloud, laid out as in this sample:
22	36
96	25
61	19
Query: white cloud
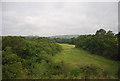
46	19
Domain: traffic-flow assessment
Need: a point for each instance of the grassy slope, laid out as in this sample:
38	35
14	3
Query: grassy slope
74	57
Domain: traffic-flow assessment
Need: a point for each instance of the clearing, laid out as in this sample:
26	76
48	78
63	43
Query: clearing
74	56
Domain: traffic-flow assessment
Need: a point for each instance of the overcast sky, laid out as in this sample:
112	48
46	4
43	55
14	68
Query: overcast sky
58	18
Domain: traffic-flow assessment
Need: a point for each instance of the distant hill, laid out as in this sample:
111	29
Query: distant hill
64	36
30	36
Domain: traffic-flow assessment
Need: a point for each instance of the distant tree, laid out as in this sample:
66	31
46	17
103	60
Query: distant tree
100	32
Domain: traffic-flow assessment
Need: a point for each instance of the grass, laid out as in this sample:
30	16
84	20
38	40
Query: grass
74	57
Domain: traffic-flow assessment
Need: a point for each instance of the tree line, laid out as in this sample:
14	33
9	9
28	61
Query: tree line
103	43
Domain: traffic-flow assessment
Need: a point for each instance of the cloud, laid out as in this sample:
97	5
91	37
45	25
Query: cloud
53	18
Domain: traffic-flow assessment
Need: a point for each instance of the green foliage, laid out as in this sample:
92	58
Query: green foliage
100	32
64	40
75	72
91	70
0	65
0	43
102	43
49	70
9	57
25	57
76	58
18	44
88	71
33	57
13	70
12	66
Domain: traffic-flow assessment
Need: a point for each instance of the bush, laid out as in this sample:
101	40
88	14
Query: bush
91	71
23	57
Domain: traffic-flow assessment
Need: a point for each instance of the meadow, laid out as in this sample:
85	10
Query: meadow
76	57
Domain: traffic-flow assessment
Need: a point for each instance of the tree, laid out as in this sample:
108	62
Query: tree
12	65
100	32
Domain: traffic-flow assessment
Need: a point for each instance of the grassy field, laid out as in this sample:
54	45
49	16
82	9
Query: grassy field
74	57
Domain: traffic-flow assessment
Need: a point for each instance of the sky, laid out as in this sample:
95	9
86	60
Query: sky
58	18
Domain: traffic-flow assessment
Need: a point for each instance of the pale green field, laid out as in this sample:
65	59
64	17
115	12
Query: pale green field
74	57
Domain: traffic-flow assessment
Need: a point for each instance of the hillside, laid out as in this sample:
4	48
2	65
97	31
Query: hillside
78	57
64	36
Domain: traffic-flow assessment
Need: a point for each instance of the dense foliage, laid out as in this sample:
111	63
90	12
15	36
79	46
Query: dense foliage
102	43
25	57
32	57
64	40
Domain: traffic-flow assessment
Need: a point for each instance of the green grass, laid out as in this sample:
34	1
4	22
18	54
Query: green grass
74	57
